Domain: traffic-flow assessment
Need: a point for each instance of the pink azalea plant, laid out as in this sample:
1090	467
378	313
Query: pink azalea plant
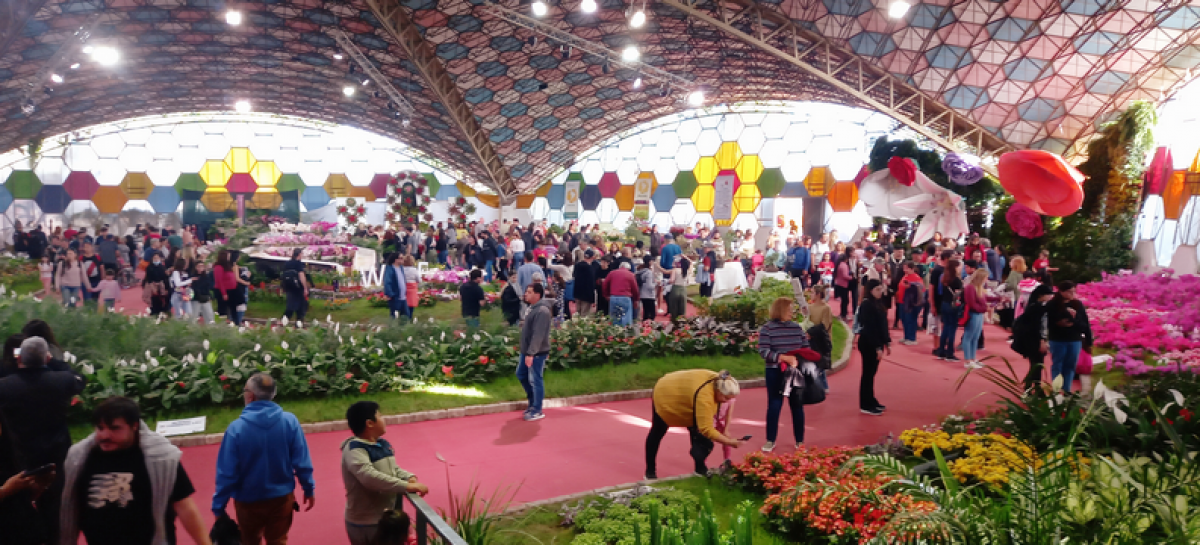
1151	322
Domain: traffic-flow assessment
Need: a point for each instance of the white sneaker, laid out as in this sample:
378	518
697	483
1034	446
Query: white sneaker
974	364
769	446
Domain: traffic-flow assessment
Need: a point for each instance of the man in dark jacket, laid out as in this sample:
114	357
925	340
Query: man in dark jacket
510	301
472	298
106	247
585	284
535	347
489	253
34	404
801	259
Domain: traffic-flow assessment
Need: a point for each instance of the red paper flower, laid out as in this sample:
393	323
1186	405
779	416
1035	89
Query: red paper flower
448	370
352	219
1042	181
421	181
363	388
342	209
483	360
903	170
394	182
421	209
1025	222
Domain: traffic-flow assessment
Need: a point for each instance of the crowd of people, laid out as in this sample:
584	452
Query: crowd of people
125	484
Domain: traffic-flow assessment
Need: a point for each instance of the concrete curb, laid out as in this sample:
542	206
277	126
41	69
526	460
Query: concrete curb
459	412
580	495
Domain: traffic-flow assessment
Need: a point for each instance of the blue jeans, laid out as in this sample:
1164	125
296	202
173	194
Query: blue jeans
621	310
775	406
70	296
487	271
179	307
971	335
530	377
949	318
472	321
398	307
1064	355
518	260
442	256
908	317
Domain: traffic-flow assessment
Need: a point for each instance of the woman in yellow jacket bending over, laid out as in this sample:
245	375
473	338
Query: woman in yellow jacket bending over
690	399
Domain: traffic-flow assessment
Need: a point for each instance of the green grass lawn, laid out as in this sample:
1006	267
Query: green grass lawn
542	525
25	284
559	383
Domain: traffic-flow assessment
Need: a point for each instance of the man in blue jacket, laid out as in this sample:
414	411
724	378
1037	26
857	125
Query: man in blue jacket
801	261
262	455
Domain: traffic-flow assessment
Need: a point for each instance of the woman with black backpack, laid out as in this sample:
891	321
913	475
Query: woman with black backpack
951	311
1029	334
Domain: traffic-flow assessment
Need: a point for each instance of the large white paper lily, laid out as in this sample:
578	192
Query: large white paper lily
880	192
943	210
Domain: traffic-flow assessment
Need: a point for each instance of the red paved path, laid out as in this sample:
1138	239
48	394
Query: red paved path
582	448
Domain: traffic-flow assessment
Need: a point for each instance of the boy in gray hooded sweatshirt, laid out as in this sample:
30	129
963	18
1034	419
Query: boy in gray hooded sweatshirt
369	471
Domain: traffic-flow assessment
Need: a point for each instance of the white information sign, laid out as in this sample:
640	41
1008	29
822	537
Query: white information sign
571	200
723	199
181	427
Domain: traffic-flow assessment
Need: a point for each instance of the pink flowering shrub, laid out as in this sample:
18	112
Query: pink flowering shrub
1151	322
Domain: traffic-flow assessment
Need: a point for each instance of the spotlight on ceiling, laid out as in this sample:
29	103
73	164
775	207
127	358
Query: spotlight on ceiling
338	56
539	8
696	99
366	82
242	106
630	53
348	90
588	6
233	17
88	50
637	83
638	18
56	78
898	8
75	66
406	122
105	55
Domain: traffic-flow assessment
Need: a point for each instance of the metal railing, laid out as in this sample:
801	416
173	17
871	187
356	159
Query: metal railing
426	518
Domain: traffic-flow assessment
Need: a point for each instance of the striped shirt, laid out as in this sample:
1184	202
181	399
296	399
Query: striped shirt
776	338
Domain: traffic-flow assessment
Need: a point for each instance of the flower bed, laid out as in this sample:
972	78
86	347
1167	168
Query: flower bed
1151	322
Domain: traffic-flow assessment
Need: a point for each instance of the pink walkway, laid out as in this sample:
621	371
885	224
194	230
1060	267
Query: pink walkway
582	448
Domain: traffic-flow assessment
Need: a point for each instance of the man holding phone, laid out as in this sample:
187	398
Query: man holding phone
690	399
125	484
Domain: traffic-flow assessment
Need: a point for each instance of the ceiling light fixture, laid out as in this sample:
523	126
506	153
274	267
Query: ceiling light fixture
588	6
898	8
75	66
638	18
630	53
539	8
242	106
88	50
348	90
233	17
637	83
366	82
56	78
337	56
696	99
406	122
106	56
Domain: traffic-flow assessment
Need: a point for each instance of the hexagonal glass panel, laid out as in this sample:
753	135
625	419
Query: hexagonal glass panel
162	146
135	158
108	146
752	140
80	157
109	172
709	142
773	153
731	127
136	137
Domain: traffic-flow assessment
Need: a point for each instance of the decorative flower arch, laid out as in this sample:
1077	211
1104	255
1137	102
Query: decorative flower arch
351	212
407	201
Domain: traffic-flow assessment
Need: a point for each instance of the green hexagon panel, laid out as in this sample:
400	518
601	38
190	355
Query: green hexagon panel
290	182
23	184
771	182
684	184
190	182
434	184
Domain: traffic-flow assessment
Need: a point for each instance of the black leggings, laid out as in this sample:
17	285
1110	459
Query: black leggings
866	385
701	445
1034	376
843	295
647	309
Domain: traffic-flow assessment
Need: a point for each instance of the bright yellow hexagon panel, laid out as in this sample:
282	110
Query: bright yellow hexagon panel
338	186
215	174
706	170
746	199
728	155
240	160
217	200
703	198
265	174
749	169
268	199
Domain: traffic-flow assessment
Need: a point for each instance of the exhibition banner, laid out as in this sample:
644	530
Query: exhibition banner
723	198
642	189
571	201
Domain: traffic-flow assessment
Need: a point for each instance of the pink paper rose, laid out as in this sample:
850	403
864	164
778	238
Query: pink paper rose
1024	221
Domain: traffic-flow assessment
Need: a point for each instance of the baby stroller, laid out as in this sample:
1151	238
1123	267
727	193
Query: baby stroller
126	277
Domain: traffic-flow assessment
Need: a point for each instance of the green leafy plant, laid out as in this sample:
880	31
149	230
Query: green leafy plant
751	307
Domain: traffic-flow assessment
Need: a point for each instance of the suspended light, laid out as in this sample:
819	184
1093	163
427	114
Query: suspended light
242	106
88	50
637	83
56	78
337	56
696	99
637	19
366	82
233	17
588	6
75	66
406	122
630	53
898	8
348	90
539	8
106	56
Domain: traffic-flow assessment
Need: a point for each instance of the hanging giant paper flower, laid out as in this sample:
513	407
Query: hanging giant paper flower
903	170
943	210
1024	221
880	191
960	170
1042	181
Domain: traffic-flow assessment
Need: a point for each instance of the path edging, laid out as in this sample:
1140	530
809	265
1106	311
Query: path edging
596	492
459	412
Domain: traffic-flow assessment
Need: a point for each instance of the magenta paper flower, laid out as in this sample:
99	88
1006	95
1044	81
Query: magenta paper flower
1024	221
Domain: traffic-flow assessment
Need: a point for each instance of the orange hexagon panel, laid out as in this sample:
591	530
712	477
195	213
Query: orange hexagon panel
338	186
624	198
363	193
843	196
109	199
